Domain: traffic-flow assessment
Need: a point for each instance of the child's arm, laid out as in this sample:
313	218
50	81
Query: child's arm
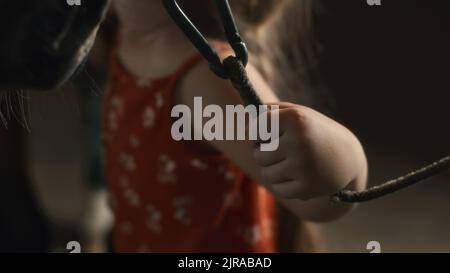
316	157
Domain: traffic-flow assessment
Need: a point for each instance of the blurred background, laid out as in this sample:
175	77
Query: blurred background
386	71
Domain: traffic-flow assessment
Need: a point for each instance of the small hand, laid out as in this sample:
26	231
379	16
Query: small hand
316	156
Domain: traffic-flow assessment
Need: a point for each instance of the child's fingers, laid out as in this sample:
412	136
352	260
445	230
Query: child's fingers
265	159
269	118
291	190
277	122
288	119
264	122
277	173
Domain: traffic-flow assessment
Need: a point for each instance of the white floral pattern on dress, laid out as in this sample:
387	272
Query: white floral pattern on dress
132	197
117	105
198	164
113	121
182	209
252	235
134	142
166	174
128	162
154	218
160	202
148	118
159	100
232	200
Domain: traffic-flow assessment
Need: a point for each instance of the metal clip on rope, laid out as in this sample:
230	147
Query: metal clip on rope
233	68
200	42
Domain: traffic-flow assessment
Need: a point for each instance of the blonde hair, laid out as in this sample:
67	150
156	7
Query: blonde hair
285	50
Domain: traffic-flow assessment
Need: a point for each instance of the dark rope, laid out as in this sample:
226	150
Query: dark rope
239	78
394	185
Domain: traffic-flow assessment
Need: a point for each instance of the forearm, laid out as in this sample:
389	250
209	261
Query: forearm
348	157
316	157
325	157
323	209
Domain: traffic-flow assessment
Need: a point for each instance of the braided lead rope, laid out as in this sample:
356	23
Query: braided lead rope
239	78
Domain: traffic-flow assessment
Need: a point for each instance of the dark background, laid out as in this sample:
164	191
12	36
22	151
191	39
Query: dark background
386	69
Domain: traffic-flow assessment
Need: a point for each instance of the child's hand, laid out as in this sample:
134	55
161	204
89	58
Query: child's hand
316	157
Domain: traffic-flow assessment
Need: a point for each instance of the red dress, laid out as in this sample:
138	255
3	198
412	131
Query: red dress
170	196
